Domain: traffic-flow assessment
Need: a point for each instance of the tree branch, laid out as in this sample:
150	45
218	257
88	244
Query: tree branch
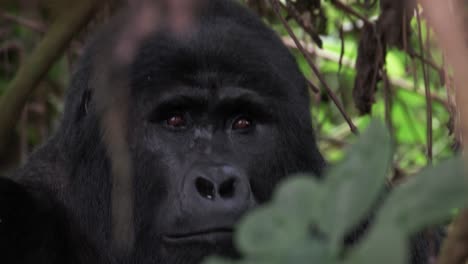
33	70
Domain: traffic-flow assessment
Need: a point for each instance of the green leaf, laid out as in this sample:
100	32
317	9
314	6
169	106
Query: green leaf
353	186
306	252
427	198
282	229
299	199
383	245
266	231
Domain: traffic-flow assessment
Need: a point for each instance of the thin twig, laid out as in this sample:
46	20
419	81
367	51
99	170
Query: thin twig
275	5
404	29
428	93
312	86
388	101
351	11
307	27
342	48
426	61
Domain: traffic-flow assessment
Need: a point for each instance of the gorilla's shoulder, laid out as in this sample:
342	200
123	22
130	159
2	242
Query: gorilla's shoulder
45	165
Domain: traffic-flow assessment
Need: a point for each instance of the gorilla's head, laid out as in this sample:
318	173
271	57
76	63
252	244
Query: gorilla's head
216	118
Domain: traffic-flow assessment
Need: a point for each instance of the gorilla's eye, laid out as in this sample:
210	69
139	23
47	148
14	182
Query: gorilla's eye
176	120
242	123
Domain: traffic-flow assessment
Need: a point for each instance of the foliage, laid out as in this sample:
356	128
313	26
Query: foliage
308	219
405	109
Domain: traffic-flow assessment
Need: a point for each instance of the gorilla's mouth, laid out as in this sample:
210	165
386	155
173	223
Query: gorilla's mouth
206	235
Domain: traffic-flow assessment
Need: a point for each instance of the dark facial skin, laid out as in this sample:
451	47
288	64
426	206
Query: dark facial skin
209	141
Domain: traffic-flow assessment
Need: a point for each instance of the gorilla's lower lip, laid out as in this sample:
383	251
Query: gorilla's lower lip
203	235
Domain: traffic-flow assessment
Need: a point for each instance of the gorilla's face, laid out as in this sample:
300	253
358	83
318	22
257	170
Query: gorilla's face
209	141
208	146
216	119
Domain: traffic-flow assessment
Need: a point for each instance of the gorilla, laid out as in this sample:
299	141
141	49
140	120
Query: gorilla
216	119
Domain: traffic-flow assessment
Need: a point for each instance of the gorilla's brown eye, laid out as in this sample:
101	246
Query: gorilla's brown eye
242	123
176	120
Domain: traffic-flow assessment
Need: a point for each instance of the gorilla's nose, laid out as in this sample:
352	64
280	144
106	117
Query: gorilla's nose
219	189
210	189
213	199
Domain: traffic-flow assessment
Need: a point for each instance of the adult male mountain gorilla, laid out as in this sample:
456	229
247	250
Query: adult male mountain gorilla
216	118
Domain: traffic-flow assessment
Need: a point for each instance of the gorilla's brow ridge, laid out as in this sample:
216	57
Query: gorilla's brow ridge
227	100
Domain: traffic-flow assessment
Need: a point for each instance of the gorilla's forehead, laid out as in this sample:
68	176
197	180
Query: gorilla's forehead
207	97
215	54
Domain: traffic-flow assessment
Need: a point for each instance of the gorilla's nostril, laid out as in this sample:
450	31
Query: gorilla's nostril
205	188
227	188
